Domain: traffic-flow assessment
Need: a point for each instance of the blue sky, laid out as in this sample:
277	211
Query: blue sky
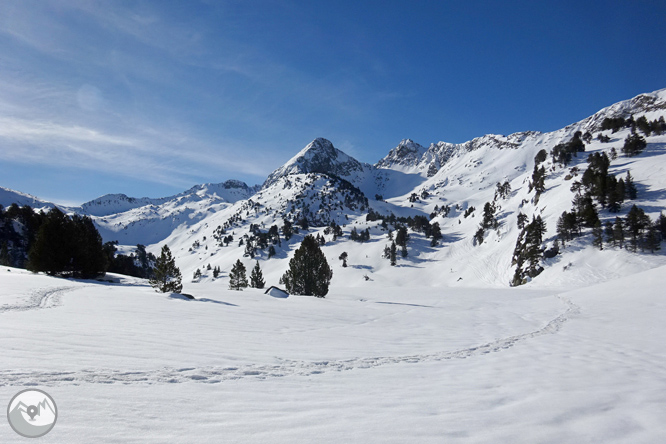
148	98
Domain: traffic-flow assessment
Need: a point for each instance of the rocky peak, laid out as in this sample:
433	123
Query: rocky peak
406	154
319	156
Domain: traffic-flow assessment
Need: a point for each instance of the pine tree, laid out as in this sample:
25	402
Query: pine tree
271	251
633	145
403	251
522	220
478	236
598	236
563	228
629	187
287	229
309	272
661	225
343	257
51	251
237	276
88	258
5	259
652	238
635	224
257	277
216	271
197	275
618	232
436	233
489	220
401	236
166	276
610	235
393	255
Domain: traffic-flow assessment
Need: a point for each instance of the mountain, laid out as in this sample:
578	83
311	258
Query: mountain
8	197
320	156
403	157
229	191
451	185
413	158
134	221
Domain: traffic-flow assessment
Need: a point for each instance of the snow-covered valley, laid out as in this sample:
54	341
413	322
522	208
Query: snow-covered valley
436	348
401	364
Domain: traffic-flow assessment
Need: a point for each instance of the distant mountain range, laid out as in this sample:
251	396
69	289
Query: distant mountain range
446	183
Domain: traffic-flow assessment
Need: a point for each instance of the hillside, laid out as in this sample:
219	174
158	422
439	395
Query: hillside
447	184
466	176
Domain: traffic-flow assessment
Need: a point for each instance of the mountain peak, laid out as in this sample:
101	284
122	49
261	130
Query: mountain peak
319	156
406	154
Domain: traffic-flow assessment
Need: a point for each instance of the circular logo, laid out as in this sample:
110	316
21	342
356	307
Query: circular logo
32	413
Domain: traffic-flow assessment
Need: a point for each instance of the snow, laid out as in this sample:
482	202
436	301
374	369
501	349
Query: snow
276	292
435	349
366	364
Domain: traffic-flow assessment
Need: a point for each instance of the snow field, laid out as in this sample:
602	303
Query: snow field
126	364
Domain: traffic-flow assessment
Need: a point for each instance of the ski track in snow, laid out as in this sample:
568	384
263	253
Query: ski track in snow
42	298
47	298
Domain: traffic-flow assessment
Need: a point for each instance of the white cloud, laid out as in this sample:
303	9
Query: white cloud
158	156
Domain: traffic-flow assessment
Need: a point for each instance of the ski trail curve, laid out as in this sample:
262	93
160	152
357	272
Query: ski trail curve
49	297
213	375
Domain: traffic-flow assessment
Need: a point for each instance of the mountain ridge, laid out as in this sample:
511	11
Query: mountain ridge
447	184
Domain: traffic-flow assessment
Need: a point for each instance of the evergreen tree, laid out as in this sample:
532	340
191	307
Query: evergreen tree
53	246
661	225
393	255
271	251
635	223
237	276
598	235
522	220
287	229
89	258
5	259
309	272
166	276
216	271
489	220
541	156
630	187
633	145
652	238
618	232
401	236
478	236
538	182
528	250
343	258
564	228
257	277
610	235
436	233
403	251
197	275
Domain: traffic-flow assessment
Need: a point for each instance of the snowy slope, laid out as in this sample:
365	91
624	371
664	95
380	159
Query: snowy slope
467	178
8	197
134	221
324	184
390	365
436	349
